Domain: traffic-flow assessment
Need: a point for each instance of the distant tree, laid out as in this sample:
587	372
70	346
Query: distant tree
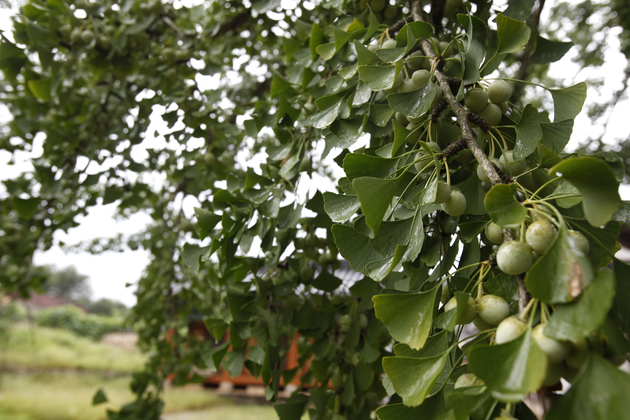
67	283
107	307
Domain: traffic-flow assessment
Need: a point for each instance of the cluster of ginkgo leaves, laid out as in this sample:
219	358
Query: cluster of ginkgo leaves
457	204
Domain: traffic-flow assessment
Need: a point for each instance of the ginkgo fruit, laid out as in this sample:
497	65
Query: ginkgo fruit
540	235
492	309
476	99
512	165
509	329
514	257
494	233
499	91
555	350
580	241
456	204
470	311
443	192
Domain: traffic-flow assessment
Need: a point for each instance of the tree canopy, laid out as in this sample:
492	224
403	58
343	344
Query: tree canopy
455	203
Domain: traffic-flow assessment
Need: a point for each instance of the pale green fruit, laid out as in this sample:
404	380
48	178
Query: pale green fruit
390	43
511	165
481	174
390	11
75	35
494	233
87	36
345	323
363	321
455	205
420	77
476	99
378	5
468	379
555	371
209	159
514	257
492	114
492	309
434	146
104	42
373	47
407	86
499	91
443	192
580	241
470	312
540	235
453	68
509	329
277	280
401	118
504	107
306	273
415	61
446	50
481	324
555	350
65	31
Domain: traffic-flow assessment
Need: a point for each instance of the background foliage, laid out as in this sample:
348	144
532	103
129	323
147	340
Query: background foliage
287	86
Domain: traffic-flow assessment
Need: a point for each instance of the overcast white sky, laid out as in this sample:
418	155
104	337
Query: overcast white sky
110	272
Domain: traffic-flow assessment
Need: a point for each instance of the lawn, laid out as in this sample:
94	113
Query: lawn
53	375
68	396
40	347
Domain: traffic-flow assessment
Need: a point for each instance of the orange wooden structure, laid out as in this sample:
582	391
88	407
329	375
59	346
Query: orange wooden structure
198	329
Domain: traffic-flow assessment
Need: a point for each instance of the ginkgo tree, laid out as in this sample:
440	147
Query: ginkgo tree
486	253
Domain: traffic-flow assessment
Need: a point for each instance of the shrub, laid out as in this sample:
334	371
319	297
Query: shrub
73	319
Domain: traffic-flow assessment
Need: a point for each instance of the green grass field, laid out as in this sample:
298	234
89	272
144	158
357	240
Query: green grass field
40	347
53	375
68	396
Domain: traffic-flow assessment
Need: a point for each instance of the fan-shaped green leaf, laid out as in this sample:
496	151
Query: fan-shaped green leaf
408	317
597	183
510	370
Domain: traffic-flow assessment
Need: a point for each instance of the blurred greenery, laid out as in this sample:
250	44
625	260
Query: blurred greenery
41	347
53	375
68	396
73	319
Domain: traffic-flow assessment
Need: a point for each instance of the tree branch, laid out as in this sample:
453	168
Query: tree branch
458	109
467	136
